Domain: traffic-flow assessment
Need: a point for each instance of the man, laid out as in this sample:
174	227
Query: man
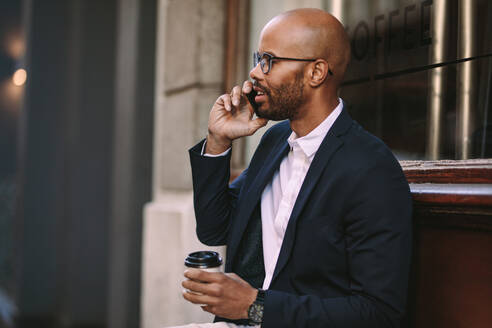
318	227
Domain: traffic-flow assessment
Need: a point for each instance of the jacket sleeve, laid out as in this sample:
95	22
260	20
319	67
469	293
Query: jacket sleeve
214	199
377	233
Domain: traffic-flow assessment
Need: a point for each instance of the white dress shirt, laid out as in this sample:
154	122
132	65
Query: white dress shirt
279	196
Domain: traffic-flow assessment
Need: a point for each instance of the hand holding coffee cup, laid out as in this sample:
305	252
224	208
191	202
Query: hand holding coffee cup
208	261
223	294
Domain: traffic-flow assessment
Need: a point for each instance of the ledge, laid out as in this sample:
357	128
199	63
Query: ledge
452	194
448	171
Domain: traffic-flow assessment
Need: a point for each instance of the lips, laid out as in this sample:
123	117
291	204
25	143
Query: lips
260	94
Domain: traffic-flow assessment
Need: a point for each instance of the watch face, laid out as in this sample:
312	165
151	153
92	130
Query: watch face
255	313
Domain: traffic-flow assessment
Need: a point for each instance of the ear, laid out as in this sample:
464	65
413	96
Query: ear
318	73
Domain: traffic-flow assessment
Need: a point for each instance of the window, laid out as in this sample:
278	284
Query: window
420	76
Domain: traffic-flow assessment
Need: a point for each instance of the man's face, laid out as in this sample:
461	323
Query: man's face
280	102
281	90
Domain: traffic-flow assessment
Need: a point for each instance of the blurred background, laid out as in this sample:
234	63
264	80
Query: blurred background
100	100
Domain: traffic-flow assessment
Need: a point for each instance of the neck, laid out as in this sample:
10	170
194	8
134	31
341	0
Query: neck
312	114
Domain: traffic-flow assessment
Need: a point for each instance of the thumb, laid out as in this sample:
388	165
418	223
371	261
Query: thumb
257	123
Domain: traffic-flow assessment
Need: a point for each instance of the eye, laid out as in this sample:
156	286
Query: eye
265	62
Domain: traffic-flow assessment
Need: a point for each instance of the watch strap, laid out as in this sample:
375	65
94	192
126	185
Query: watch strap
260	297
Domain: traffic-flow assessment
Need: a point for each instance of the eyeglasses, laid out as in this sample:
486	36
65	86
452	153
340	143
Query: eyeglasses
265	60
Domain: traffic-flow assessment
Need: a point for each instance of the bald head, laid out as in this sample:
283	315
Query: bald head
311	33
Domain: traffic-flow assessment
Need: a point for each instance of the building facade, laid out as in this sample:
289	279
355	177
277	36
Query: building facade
419	79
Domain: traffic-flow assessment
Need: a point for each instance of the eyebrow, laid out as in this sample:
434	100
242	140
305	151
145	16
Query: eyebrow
269	52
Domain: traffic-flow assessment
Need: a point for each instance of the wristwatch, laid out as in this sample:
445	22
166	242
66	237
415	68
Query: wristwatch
255	310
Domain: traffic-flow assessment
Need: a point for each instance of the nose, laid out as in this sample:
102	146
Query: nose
256	72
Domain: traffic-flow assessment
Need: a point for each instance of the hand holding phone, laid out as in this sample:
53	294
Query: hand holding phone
228	121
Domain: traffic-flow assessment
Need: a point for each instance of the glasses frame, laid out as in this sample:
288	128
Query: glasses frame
257	59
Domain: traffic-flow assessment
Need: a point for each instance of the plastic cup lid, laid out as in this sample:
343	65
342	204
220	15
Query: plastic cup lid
203	259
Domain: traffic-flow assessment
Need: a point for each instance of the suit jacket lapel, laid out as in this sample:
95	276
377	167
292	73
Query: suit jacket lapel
331	143
253	193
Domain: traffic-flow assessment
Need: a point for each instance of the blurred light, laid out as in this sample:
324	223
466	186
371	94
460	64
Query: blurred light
20	77
14	43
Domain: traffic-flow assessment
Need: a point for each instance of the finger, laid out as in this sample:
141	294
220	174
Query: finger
233	276
226	101
247	86
199	299
192	285
204	276
236	95
206	308
257	123
211	289
196	274
251	109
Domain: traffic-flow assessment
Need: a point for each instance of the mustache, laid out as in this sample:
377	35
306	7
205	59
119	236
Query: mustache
262	88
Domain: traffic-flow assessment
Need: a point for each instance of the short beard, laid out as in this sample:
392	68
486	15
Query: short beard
284	101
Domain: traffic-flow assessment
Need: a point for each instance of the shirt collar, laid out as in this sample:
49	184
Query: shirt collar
311	142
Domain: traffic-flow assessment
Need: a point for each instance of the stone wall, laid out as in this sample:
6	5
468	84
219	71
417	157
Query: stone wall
190	63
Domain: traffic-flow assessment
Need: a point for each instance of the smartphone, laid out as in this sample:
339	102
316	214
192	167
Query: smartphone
251	98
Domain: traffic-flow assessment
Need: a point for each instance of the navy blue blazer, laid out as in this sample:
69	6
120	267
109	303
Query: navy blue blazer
345	257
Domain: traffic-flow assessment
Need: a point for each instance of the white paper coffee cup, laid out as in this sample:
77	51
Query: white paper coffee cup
208	261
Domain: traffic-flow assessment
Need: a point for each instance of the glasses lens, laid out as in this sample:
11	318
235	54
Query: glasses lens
265	63
263	59
256	58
